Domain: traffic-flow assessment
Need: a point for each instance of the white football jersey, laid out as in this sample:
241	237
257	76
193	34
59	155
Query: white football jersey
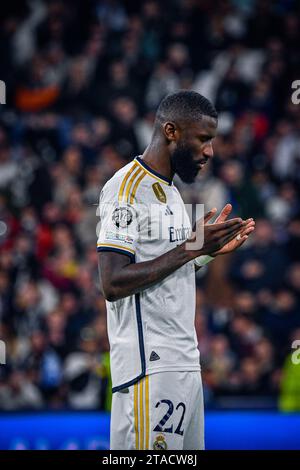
142	215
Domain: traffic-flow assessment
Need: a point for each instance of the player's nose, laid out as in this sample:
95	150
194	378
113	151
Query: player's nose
208	151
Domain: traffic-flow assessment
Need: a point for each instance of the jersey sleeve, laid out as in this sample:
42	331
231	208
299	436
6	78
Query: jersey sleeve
118	230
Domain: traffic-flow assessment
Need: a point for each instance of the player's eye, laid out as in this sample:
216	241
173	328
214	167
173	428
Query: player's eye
204	139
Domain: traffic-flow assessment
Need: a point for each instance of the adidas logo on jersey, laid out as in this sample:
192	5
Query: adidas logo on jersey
168	211
154	356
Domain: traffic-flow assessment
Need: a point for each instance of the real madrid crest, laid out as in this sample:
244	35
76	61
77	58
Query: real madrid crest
160	443
159	192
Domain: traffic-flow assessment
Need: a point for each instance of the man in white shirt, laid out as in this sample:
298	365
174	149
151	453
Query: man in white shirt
148	255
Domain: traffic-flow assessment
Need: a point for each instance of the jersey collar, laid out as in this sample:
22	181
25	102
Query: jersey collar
152	172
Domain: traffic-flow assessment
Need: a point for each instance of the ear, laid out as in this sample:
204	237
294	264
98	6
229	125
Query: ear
170	131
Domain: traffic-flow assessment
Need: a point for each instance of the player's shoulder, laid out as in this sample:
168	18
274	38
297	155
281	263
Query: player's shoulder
129	184
112	186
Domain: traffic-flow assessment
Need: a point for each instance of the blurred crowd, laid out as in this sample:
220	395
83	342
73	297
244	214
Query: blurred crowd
83	81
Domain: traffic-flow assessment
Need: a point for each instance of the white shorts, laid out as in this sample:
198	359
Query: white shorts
162	411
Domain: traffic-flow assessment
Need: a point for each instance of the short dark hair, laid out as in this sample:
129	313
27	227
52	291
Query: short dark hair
185	105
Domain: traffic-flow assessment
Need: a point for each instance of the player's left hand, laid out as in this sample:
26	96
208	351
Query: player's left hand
241	237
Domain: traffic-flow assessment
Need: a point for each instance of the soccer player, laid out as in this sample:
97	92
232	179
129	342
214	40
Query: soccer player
149	281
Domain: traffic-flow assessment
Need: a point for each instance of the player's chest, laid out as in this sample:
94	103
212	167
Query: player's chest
167	219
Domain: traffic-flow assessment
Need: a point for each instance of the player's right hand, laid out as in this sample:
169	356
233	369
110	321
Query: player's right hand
209	238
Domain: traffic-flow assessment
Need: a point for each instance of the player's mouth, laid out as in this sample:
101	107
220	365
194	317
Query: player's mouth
200	164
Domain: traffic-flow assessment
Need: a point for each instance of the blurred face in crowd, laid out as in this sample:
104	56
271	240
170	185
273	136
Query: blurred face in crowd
232	173
38	342
245	302
250	370
4	282
16	380
219	346
28	295
124	110
263	232
263	351
69	303
285	301
294	276
191	146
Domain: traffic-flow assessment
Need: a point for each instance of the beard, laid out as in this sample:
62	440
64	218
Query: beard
183	164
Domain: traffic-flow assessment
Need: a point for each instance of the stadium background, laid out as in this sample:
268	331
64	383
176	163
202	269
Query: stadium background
83	80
